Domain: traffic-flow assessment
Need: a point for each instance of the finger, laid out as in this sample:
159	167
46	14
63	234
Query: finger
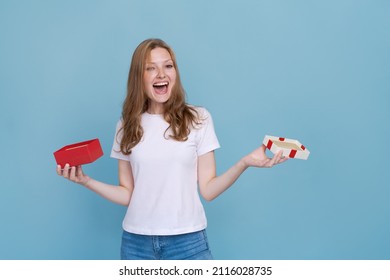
265	163
59	171
283	159
279	157
79	171
268	163
65	172
72	173
275	159
271	162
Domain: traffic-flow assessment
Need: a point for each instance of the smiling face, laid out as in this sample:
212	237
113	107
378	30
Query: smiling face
159	78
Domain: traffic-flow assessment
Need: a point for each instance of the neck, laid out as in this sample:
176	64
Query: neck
156	109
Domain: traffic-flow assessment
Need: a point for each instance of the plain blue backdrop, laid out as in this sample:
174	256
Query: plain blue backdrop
317	71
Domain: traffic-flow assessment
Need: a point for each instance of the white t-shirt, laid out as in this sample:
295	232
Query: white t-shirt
165	199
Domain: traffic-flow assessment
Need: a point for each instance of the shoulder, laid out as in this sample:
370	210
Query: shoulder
202	112
203	117
119	124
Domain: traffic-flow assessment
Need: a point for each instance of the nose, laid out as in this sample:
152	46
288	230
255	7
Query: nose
161	73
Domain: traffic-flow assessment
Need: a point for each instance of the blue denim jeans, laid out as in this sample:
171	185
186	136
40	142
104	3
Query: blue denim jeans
189	246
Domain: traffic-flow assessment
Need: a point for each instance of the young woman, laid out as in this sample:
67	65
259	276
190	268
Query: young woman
165	151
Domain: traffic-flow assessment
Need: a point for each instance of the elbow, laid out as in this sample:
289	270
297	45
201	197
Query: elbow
208	192
124	203
208	196
209	199
125	196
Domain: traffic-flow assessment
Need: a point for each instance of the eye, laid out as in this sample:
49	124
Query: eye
150	68
169	66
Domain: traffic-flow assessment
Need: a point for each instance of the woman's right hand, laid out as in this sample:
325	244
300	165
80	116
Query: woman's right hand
74	174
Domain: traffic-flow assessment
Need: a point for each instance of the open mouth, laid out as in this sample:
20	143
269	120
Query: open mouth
161	88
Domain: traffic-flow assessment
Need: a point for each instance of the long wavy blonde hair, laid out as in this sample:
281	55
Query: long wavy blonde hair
177	112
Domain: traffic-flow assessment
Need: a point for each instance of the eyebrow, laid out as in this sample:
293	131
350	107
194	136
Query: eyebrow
165	61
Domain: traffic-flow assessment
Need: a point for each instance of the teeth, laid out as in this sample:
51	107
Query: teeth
161	84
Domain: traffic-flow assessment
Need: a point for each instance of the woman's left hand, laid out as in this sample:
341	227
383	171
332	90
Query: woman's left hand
258	158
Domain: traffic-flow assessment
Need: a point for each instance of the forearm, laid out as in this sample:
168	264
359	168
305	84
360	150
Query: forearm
117	194
219	184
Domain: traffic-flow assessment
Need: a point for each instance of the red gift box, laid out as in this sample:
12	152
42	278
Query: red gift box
79	153
290	147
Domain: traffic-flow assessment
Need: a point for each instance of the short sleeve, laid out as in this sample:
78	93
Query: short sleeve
207	140
116	150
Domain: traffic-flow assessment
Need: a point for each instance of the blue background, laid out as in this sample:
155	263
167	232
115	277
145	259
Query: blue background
317	71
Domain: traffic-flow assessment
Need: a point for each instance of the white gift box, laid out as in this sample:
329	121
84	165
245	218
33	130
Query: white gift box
291	148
